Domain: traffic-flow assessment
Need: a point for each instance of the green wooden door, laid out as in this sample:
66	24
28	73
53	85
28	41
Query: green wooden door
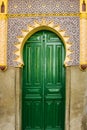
43	93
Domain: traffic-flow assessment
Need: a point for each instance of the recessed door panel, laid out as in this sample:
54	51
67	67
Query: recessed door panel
43	105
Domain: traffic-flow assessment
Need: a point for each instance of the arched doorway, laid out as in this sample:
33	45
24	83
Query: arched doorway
43	91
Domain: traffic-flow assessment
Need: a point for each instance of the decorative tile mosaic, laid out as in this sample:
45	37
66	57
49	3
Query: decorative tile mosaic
43	6
70	24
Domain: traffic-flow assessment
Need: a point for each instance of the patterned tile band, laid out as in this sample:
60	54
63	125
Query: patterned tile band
43	6
70	24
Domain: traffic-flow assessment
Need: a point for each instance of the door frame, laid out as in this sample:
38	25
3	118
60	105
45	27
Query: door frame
18	90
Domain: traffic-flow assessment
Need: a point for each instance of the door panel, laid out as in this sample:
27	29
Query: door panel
32	86
49	64
53	110
43	106
53	84
33	115
33	64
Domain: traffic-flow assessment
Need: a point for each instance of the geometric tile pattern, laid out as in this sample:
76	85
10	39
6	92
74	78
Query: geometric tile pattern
37	25
43	6
70	24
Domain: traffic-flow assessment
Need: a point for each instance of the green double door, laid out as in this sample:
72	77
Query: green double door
43	92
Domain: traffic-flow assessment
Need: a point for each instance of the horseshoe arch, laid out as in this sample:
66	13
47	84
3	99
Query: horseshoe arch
37	26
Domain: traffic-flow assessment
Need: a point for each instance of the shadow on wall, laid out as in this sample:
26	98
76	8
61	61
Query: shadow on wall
84	118
84	122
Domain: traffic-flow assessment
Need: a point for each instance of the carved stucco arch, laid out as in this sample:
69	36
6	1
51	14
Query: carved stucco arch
37	26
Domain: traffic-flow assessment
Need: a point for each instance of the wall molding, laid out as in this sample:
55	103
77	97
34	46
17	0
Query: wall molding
43	15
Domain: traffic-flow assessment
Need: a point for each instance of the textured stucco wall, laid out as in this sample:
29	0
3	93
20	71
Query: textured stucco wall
7	100
10	102
77	97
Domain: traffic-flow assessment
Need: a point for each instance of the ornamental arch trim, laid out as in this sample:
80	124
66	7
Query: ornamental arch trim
37	26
